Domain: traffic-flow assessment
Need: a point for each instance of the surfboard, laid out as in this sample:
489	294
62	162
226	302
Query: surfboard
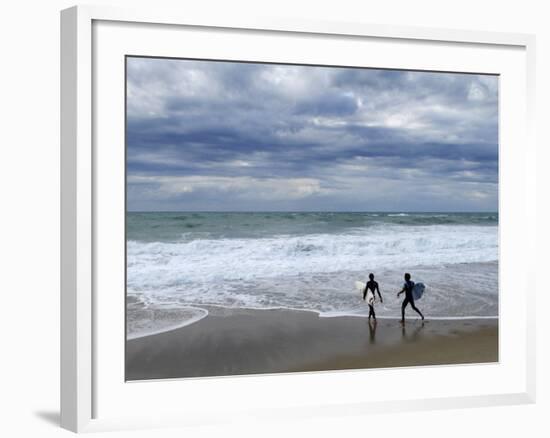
360	286
418	290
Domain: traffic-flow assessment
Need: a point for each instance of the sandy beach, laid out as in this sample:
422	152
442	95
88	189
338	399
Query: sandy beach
242	341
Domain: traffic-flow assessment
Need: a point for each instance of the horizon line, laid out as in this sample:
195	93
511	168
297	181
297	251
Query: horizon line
312	211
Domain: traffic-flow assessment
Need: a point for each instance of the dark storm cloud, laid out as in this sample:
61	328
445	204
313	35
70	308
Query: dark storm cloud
246	136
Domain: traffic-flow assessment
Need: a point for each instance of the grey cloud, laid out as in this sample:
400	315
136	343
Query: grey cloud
231	120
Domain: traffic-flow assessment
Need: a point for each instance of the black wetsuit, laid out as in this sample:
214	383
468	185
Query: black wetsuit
408	286
373	286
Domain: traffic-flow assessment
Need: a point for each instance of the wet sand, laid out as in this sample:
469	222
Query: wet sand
241	341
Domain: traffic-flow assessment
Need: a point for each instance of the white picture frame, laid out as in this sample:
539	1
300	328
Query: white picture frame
90	37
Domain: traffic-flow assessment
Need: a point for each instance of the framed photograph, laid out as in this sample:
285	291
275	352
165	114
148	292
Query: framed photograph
257	208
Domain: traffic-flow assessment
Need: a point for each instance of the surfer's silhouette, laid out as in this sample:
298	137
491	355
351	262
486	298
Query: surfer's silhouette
408	289
373	287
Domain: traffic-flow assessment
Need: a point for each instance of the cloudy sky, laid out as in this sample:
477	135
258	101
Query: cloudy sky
221	136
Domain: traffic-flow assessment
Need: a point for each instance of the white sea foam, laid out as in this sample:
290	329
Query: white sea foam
151	321
317	271
165	265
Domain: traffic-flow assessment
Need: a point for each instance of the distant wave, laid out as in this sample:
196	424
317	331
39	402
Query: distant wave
169	227
158	264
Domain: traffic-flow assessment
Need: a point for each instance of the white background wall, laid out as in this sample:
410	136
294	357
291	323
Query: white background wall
29	215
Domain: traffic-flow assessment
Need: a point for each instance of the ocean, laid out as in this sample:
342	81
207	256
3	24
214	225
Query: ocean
181	265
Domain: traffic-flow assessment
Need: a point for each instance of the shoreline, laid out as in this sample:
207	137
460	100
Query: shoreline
207	308
253	341
328	295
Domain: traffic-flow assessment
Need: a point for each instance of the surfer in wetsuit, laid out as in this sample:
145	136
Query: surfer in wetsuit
373	287
408	289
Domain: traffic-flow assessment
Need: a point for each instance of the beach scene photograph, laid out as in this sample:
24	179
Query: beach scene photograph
289	218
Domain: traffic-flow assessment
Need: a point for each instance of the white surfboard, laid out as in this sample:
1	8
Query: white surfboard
418	290
360	286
